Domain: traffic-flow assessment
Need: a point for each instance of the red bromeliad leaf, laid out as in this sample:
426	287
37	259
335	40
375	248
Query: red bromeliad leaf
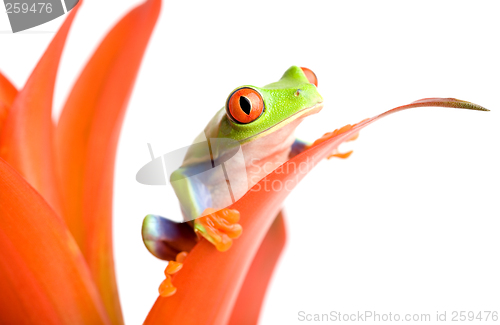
43	276
86	141
7	94
247	307
26	141
209	282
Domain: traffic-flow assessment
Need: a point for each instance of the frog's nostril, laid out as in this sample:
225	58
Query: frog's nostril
245	105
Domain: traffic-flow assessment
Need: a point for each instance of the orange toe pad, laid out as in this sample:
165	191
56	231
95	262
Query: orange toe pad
166	288
219	227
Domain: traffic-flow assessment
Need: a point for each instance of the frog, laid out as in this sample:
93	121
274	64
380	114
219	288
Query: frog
258	122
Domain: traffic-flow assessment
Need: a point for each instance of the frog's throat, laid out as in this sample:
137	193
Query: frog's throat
300	114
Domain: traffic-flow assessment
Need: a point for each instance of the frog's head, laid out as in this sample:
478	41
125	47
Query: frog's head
252	112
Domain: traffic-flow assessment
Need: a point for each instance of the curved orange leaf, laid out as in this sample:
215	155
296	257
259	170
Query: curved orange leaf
43	276
248	305
86	140
208	285
26	141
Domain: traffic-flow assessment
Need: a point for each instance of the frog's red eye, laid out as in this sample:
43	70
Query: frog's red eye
245	105
311	76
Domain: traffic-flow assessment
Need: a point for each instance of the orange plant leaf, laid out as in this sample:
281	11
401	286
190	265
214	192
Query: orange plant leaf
43	276
248	305
208	285
86	141
26	141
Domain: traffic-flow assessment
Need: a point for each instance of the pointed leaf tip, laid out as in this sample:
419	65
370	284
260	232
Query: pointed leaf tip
26	141
450	102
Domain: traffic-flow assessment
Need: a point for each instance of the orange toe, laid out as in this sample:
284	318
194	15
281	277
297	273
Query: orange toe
166	288
342	155
220	227
181	257
173	267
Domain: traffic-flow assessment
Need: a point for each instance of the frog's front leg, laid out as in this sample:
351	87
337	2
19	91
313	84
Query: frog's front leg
198	197
219	227
300	146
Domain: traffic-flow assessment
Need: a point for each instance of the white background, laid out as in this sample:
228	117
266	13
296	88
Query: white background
408	224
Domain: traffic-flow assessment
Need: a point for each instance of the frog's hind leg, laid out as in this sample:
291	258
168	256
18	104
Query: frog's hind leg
218	226
169	241
165	238
247	307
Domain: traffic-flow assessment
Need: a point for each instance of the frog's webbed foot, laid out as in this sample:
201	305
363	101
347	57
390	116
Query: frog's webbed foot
219	227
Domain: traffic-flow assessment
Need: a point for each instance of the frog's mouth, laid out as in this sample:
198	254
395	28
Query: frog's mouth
298	115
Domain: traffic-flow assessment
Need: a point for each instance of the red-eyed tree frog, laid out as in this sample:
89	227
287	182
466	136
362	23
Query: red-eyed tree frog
261	121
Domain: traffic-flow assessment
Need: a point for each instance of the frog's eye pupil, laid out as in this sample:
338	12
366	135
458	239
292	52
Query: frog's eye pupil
245	105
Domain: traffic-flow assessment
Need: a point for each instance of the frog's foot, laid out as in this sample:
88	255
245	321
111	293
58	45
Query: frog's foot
329	135
166	288
219	227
